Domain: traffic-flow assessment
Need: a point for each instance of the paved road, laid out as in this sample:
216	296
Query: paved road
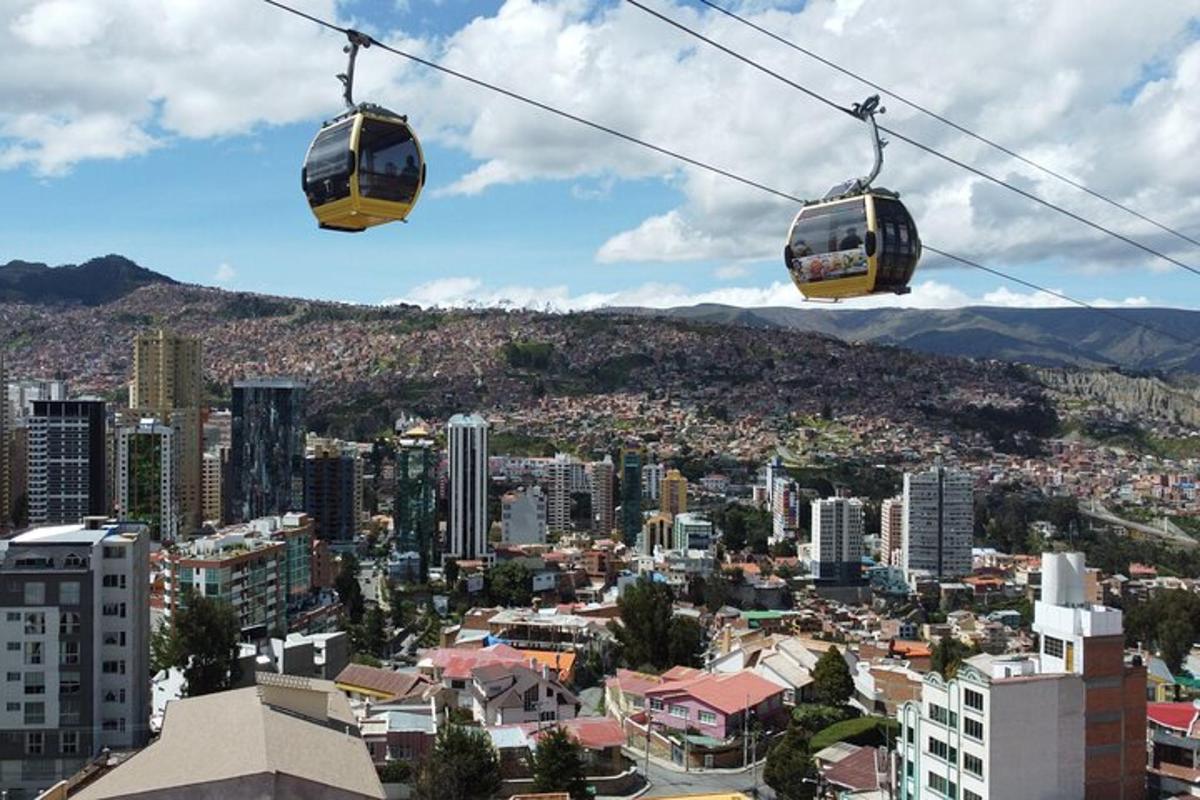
665	782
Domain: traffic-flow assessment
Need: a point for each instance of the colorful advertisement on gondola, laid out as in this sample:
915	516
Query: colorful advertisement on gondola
811	268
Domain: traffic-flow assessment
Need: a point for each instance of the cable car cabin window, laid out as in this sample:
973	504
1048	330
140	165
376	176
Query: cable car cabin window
827	242
389	164
899	254
327	171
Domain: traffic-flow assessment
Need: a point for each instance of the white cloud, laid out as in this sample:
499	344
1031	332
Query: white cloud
463	292
225	274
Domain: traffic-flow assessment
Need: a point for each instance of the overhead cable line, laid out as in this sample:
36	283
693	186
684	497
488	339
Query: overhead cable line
701	164
919	145
947	121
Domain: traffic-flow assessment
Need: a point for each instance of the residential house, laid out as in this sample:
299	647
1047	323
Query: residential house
505	693
1173	735
716	705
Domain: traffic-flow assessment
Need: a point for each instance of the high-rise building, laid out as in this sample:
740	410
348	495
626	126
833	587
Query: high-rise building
523	516
147	465
22	393
652	477
210	486
76	619
602	496
632	458
415	504
657	533
266	459
785	508
891	530
467	441
1088	640
939	520
564	476
691	532
67	474
168	383
1066	722
837	534
333	488
5	456
673	493
240	565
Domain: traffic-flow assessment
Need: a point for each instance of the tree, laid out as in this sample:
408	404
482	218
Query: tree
948	654
374	638
462	766
685	642
733	529
165	650
203	642
510	584
790	770
558	764
348	588
646	611
450	572
832	684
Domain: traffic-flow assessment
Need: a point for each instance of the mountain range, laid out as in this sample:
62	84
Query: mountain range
1155	340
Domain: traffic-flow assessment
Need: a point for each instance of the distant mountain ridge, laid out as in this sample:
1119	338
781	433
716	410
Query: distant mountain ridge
1051	337
92	283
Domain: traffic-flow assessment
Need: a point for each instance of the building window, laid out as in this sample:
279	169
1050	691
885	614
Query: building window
1052	647
68	623
114	552
35	683
74	561
973	699
11	707
68	742
115	581
114	667
679	711
13	676
35	743
68	653
68	713
969	795
116	638
973	765
35	593
656	704
13	616
68	683
708	718
68	593
531	698
973	728
35	623
13	647
114	610
33	653
35	713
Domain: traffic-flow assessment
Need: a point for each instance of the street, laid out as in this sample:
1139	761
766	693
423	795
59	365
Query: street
665	782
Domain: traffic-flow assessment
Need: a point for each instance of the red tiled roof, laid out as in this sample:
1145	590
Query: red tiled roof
458	664
728	694
1180	716
384	681
681	674
635	683
594	733
857	771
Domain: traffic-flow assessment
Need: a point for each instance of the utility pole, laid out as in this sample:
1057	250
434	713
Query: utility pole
754	765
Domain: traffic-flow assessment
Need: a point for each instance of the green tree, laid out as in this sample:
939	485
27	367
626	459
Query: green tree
790	770
558	764
165	650
646	611
374	639
450	572
510	584
203	642
1175	636
948	654
685	642
348	588
832	684
733	529
462	766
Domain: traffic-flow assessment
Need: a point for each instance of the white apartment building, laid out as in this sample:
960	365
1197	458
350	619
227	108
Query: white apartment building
652	476
75	620
691	532
523	516
837	539
999	729
564	476
210	490
939	520
467	441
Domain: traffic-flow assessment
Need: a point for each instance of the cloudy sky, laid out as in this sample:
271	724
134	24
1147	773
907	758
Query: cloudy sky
172	131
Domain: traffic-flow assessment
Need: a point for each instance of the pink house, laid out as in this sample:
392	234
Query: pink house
716	704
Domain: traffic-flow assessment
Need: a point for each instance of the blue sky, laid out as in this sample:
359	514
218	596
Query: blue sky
198	175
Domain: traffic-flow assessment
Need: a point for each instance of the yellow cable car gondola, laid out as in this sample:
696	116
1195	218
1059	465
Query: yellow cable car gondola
365	167
857	240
